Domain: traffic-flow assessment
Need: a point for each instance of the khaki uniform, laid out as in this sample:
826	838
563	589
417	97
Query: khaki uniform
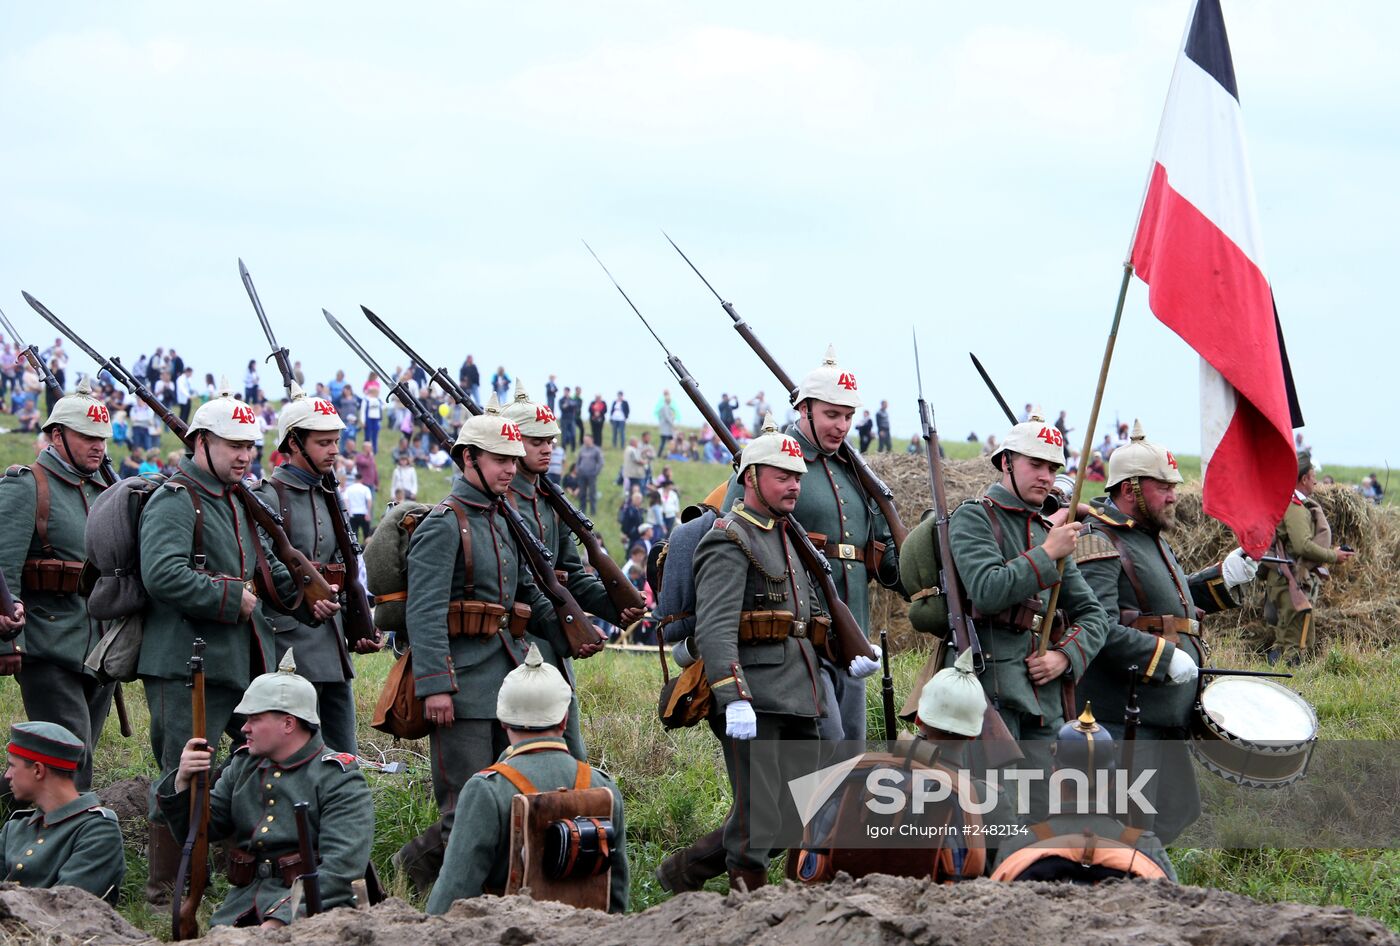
1138	580
251	804
58	634
833	506
478	858
1305	536
746	564
78	845
322	657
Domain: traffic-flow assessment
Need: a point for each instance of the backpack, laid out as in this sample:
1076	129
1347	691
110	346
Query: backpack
112	574
386	564
1085	858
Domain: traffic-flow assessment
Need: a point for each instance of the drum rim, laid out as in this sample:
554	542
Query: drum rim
1273	746
1236	778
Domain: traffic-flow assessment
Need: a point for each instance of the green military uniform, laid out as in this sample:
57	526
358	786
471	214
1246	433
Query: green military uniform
469	668
476	862
833	505
588	590
78	845
190	600
251	804
746	565
58	634
996	546
1304	536
306	506
1156	586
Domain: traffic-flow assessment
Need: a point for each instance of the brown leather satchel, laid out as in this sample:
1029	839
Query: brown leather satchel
399	711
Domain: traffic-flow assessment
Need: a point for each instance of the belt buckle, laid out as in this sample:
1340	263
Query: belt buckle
1036	621
845	552
1195	627
505	621
264	870
798	629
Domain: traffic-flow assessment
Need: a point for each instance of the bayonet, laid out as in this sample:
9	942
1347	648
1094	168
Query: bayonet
987	380
279	353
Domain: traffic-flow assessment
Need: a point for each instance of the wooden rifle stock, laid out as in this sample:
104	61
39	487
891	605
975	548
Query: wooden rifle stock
194	854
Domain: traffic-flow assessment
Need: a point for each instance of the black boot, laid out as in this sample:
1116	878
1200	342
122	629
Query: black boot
421	859
690	867
749	880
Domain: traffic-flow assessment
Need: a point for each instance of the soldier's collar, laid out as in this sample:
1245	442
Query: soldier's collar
535	744
196	474
1106	511
523	485
312	750
763	522
295	477
1003	498
84	802
469	494
61	468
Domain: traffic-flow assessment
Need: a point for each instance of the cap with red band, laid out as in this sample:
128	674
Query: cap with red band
48	743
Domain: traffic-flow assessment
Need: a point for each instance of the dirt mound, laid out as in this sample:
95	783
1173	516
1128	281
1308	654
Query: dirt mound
64	916
127	798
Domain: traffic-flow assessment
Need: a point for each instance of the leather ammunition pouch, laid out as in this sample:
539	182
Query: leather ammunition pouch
485	618
244	868
1026	616
842	551
52	575
772	627
333	573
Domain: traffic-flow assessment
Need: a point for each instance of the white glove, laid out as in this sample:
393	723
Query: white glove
862	667
1182	669
1238	569
739	720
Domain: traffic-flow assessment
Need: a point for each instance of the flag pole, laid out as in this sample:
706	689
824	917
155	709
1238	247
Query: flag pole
1049	621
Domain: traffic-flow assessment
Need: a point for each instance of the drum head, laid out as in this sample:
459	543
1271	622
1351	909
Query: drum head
1259	711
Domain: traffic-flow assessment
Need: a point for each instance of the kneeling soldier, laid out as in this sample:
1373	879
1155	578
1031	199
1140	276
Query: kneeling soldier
284	761
533	707
66	838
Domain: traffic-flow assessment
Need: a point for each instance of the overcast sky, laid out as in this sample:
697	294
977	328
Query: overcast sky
840	172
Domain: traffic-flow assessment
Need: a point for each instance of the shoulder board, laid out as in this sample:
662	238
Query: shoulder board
107	813
19	469
1091	547
346	761
173	486
441	509
23	813
259	483
721	524
1296	500
243	749
1099	516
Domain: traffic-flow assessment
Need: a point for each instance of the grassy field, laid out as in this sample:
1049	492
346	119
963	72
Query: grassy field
673	782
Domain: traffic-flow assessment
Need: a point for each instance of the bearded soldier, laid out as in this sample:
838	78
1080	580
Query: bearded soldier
1305	536
754	630
533	705
1154	609
199	551
302	490
470	622
845	524
67	837
1007	556
45	510
538	428
282	762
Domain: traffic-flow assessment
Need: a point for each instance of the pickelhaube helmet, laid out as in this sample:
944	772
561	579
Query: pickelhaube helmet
1084	745
1140	457
953	700
772	448
282	691
227	417
1033	438
491	431
829	382
303	412
81	412
534	695
534	420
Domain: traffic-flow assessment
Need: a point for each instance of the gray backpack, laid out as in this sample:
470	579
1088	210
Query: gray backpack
112	575
386	564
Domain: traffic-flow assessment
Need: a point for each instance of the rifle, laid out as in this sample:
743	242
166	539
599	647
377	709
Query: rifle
1132	718
621	592
311	874
987	380
311	586
357	619
582	636
887	691
964	632
194	855
850	641
872	484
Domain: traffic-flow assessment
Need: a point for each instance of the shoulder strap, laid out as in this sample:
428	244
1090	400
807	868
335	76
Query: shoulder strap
282	503
584	777
41	509
465	529
198	505
1129	568
522	785
992	518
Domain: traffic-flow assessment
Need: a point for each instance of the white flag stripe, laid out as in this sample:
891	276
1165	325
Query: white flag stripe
1201	146
1218	401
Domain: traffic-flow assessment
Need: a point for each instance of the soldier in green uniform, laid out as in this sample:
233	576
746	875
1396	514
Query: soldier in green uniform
471	622
1153	608
1305	536
539	428
282	762
199	550
308	431
45	509
1007	556
532	705
67	837
754	605
845	524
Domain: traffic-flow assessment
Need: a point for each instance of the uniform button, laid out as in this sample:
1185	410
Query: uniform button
40	841
29	853
269	817
276	774
268	785
260	844
19	867
264	829
272	801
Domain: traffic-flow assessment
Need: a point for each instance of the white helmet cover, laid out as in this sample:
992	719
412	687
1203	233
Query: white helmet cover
227	417
491	431
829	382
534	695
534	420
81	412
301	412
954	700
1033	438
1141	457
772	448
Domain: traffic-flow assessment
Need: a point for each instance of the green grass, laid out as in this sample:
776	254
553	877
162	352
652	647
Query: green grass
673	782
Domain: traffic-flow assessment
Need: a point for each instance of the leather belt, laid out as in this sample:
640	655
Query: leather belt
837	551
1169	626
